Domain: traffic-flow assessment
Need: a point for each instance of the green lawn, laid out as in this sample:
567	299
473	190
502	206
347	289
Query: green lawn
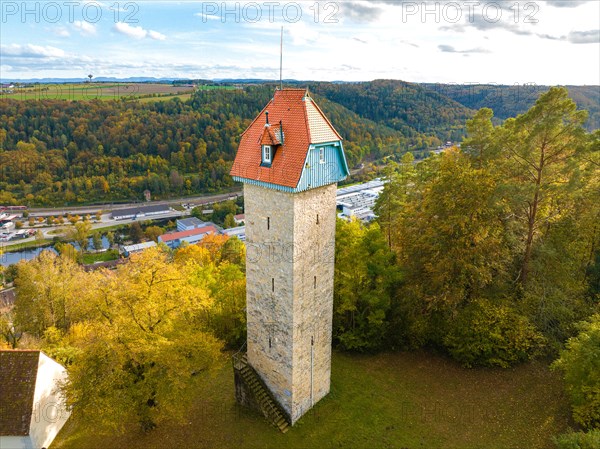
182	97
32	244
102	91
400	401
104	256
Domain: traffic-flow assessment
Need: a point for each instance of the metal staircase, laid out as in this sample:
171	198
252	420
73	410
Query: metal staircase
259	391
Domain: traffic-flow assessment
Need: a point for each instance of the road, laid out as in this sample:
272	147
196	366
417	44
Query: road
105	222
82	210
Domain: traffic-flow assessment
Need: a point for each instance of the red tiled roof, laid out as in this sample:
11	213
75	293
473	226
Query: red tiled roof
290	107
183	234
268	137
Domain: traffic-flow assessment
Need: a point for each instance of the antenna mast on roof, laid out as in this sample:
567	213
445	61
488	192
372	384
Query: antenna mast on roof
281	62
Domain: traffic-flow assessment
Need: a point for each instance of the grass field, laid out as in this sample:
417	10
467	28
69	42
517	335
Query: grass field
104	256
102	91
32	244
400	401
182	97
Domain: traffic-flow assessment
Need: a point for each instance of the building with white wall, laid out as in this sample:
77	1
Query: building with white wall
174	239
32	408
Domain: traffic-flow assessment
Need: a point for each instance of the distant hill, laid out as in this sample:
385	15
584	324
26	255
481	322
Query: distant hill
407	107
100	79
510	101
57	151
434	109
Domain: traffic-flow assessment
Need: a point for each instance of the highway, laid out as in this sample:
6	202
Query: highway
107	207
53	231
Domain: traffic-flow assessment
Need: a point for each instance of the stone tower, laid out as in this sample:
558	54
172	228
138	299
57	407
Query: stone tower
290	159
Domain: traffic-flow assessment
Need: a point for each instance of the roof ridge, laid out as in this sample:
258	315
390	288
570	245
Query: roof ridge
307	122
20	350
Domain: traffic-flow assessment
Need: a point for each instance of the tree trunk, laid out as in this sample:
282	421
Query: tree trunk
532	215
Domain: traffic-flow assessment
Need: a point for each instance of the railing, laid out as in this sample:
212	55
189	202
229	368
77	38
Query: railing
236	358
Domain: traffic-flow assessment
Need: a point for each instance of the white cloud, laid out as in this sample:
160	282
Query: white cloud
205	17
450	49
32	51
303	34
156	35
566	3
85	28
128	30
60	32
585	37
349	49
138	32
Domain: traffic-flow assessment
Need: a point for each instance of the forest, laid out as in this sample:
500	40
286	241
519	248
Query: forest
57	152
488	253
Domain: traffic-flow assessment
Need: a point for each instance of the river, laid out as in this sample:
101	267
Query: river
9	258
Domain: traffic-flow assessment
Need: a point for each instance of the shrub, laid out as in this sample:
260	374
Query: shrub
579	440
489	334
580	364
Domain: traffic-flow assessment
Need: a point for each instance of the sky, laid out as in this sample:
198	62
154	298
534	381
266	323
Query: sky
505	42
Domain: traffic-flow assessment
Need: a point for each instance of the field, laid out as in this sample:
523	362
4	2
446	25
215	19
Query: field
400	401
19	246
102	91
104	256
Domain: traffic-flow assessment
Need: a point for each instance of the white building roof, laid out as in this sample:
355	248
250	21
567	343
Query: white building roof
359	200
138	247
239	232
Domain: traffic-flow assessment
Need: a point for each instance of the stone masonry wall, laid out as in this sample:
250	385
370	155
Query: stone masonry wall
290	254
314	247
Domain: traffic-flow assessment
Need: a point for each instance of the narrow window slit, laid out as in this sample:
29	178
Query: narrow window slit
273	284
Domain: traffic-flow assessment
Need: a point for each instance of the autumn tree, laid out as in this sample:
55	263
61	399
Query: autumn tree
579	362
365	281
80	233
539	148
110	237
228	314
481	143
97	241
67	250
229	221
452	240
50	292
136	233
153	232
10	336
389	206
148	346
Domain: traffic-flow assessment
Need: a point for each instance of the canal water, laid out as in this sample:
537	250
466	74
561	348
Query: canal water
9	258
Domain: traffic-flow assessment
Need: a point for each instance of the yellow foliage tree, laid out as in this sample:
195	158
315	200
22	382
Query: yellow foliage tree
147	348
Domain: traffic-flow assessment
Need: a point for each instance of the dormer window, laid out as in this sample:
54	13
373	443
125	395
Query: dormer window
266	154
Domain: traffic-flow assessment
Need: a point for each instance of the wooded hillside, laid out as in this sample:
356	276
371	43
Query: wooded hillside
55	152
